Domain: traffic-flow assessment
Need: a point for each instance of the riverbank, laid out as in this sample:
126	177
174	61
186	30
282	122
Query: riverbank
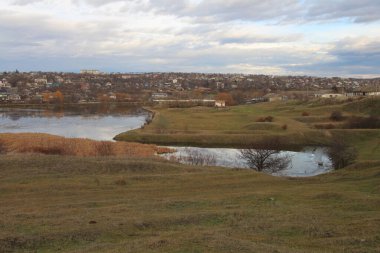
94	107
74	204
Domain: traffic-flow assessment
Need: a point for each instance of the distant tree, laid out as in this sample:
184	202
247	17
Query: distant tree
227	97
103	98
46	96
341	154
371	122
264	156
336	116
238	97
121	96
58	97
197	157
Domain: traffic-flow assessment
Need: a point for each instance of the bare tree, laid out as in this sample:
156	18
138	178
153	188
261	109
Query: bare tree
265	156
197	157
341	154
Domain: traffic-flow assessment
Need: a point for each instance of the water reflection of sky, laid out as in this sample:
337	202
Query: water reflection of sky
309	162
70	125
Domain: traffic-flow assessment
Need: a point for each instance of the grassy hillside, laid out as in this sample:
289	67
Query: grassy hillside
298	123
73	204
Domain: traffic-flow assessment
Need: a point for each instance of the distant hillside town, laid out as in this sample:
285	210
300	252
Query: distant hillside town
95	86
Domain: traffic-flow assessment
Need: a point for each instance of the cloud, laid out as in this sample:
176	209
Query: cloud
358	57
249	36
26	2
285	11
211	11
358	11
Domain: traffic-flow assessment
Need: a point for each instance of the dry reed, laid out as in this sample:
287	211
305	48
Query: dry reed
56	145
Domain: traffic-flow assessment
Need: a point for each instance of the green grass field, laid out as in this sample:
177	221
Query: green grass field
69	204
237	126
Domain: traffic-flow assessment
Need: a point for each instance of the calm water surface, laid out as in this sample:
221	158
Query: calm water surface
92	124
105	123
307	163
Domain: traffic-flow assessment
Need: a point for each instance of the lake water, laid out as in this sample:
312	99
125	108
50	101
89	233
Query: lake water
307	163
98	124
104	123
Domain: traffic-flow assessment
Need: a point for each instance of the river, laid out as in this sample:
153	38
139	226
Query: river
105	122
94	123
311	161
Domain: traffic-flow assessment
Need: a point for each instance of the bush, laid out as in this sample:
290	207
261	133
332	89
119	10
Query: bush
324	126
197	157
371	122
266	119
284	127
341	154
121	182
305	114
336	116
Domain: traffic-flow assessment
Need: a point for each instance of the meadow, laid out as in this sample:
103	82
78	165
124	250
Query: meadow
108	204
297	123
77	195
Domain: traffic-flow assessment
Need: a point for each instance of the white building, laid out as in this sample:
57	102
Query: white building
220	103
329	95
90	71
41	81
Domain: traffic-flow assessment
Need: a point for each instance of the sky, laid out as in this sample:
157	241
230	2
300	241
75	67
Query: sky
271	37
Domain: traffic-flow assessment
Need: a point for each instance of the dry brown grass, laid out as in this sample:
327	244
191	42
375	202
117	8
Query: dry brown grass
110	204
56	145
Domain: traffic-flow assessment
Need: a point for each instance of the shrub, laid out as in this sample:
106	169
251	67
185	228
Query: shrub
121	182
324	126
269	119
336	116
341	154
197	157
284	127
305	114
265	119
371	122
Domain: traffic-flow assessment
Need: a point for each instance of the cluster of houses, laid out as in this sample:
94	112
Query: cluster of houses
355	93
8	93
94	85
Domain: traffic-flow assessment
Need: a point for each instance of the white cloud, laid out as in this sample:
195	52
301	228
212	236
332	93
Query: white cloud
191	35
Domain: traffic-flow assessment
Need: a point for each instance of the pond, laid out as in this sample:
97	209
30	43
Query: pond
98	123
309	162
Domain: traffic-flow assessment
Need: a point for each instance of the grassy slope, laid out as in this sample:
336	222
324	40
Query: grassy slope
47	203
237	125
